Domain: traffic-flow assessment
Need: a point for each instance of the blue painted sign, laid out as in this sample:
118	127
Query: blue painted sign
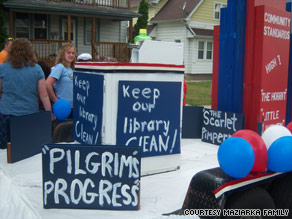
91	177
88	103
149	116
26	142
219	125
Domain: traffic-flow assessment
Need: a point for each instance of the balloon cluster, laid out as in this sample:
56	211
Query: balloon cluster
246	151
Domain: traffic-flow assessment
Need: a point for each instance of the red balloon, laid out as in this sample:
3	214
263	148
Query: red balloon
259	148
289	126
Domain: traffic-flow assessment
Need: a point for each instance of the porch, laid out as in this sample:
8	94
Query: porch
47	50
108	3
98	27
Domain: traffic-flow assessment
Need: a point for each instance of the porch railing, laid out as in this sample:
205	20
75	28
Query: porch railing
47	50
106	3
118	51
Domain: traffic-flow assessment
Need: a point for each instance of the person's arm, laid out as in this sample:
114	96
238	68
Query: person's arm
43	94
49	84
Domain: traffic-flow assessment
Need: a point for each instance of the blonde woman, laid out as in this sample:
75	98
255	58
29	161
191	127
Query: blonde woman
60	81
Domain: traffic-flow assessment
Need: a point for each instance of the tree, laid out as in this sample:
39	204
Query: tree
3	31
143	19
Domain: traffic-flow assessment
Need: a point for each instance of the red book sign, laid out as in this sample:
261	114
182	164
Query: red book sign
272	40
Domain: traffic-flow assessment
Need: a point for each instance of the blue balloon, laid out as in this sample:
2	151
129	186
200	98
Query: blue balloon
280	155
236	157
62	109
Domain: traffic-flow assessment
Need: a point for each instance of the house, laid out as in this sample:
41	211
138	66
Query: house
190	22
98	27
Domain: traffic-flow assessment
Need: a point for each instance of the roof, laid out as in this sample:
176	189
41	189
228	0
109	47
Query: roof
150	28
53	7
202	32
176	9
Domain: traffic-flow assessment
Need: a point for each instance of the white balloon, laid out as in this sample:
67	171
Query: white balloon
274	132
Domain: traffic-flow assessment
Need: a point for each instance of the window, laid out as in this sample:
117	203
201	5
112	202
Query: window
209	50
205	50
40	26
217	9
22	25
88	30
177	41
201	50
34	26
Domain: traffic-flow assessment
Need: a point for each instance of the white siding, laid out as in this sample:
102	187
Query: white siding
54	28
169	32
124	31
202	25
110	31
198	66
82	47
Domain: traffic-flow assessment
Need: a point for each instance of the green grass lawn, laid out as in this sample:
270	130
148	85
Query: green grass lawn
198	93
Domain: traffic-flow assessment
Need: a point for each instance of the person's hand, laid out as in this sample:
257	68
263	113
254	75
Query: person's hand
52	117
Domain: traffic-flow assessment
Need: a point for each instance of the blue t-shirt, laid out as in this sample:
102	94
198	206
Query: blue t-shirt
19	89
64	82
